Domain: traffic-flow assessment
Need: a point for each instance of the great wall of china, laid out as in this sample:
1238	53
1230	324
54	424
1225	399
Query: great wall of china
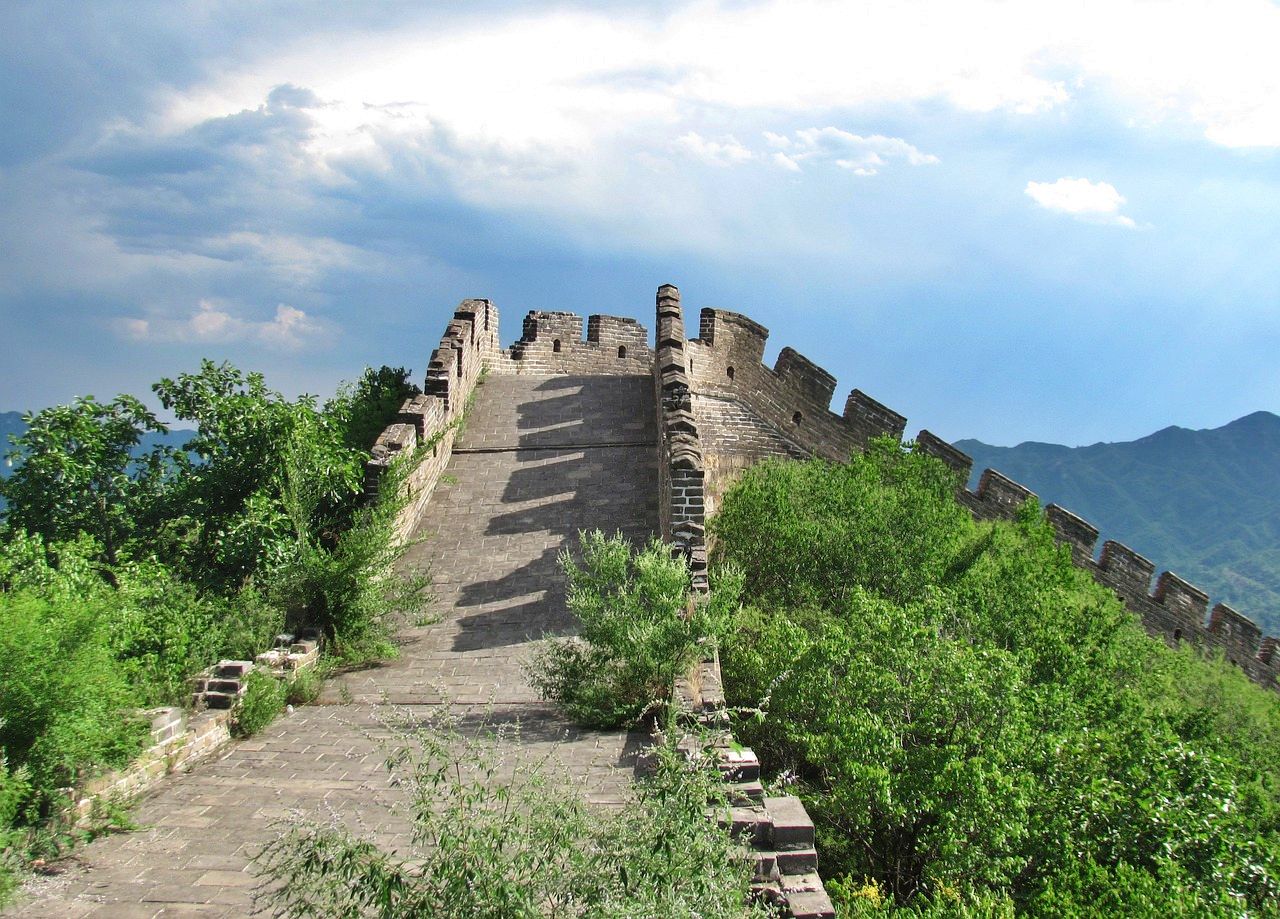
566	433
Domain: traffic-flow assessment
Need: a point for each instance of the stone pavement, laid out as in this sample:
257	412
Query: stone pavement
541	458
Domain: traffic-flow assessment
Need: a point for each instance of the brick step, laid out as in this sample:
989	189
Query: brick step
810	903
220	699
740	765
797	861
749	825
792	828
745	792
223	685
232	669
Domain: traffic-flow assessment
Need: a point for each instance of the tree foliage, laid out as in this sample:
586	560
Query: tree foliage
125	569
977	727
639	629
78	471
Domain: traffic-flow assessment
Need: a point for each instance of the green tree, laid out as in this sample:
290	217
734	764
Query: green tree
78	471
368	405
975	724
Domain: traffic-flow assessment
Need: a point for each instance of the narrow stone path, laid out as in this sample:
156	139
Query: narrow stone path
541	458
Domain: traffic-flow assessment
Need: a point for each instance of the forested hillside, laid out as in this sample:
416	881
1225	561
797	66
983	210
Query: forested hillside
1205	504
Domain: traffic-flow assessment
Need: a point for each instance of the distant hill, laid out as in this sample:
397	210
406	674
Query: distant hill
1204	504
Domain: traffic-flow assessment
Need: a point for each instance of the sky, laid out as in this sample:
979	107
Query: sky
1010	221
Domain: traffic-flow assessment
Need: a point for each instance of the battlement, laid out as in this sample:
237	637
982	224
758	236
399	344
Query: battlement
793	397
681	471
552	343
1174	610
467	348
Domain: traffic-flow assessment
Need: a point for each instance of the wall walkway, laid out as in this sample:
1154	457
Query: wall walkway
541	457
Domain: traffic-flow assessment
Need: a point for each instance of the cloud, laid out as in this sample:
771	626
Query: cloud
862	156
211	323
724	152
1095	202
1204	62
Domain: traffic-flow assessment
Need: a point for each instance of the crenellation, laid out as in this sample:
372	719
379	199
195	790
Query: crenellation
805	375
1075	531
935	446
1237	635
1124	570
1185	606
998	496
552	343
871	419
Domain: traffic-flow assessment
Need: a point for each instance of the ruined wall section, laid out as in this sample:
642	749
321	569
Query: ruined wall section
1174	610
468	347
749	411
552	343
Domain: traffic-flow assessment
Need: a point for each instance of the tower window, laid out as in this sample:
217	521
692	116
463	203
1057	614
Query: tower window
622	350
555	346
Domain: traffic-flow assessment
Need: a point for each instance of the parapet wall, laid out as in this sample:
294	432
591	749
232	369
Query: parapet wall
791	401
681	496
552	343
746	411
469	346
1174	610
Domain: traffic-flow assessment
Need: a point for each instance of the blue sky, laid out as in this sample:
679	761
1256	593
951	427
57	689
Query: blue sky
1052	222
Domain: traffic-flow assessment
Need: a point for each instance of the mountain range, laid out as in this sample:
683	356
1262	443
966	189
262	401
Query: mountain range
1204	504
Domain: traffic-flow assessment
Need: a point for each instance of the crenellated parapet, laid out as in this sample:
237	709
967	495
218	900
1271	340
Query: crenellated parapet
1173	609
777	828
552	343
428	422
793	397
743	412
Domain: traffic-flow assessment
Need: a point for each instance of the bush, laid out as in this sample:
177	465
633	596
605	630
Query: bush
262	702
354	590
61	694
975	725
639	631
489	843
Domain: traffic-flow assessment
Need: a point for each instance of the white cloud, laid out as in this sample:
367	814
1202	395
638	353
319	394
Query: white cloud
725	152
861	155
1210	63
1097	202
211	322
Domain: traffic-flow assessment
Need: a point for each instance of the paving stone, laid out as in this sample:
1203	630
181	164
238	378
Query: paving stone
569	453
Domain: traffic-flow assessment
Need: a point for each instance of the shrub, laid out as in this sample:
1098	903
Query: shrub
639	631
975	725
488	842
262	702
62	693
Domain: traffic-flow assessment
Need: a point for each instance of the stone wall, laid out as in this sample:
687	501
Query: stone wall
776	827
750	411
469	347
681	498
1174	610
552	342
741	412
